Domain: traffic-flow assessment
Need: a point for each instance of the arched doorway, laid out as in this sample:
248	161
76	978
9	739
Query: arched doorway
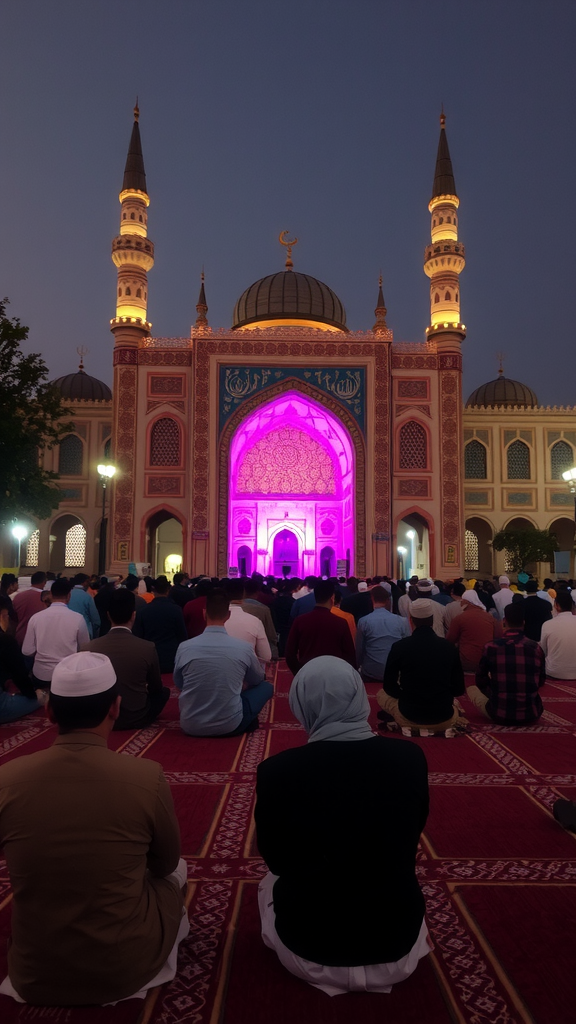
413	547
164	544
285	554
478	546
291	470
518	523
67	545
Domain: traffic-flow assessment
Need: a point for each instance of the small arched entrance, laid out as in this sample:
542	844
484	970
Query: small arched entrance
285	554
67	545
164	544
413	547
563	529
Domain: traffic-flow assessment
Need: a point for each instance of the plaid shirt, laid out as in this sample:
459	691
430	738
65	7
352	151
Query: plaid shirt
510	671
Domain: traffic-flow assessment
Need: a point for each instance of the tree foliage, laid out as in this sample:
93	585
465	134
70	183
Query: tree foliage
525	546
32	413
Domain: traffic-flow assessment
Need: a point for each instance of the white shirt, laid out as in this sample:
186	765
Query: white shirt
501	599
558	641
51	635
247	627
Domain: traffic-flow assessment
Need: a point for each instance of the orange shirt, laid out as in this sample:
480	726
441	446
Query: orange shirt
349	619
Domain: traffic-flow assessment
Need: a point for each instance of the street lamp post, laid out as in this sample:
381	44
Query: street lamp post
106	471
19	533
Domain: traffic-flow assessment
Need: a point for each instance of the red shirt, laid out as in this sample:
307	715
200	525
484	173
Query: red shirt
318	633
194	616
26	604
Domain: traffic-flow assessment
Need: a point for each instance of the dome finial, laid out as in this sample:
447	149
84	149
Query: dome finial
380	327
202	305
284	241
442	116
500	358
136	111
82	351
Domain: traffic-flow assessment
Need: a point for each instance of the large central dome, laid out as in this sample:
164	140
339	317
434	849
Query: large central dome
292	299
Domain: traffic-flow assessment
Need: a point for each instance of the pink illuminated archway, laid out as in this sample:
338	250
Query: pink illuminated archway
292	468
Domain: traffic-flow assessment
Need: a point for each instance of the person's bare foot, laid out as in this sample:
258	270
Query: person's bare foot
42	696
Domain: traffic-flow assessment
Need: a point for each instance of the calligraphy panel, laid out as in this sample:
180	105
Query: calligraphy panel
286	461
347	384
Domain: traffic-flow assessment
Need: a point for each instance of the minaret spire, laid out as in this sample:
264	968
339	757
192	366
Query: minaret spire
444	258
132	250
380	327
202	306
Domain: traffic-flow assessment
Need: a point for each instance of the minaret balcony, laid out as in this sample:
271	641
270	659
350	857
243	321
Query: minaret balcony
133	249
444	255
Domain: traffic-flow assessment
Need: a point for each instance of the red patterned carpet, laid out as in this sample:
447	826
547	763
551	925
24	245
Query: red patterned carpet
498	874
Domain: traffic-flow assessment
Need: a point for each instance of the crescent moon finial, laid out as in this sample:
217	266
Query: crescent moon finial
288	243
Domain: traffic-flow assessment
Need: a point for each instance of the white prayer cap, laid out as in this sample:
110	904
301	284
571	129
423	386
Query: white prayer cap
424	586
422	608
504	581
386	586
472	598
82	675
362	587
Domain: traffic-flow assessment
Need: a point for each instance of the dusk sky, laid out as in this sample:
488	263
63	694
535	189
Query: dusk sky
316	116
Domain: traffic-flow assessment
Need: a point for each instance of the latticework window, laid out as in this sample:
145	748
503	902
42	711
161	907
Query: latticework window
413	446
518	457
32	548
508	562
75	551
165	443
561	459
71	456
475	461
470	551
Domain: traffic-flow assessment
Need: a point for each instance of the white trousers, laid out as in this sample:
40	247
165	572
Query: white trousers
166	973
337	980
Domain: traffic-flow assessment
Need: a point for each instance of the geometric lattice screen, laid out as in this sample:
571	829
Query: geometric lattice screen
470	551
518	458
561	459
508	562
165	443
75	551
71	456
413	454
475	461
32	548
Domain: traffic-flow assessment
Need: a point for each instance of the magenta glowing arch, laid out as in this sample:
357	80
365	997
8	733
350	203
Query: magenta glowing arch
291	490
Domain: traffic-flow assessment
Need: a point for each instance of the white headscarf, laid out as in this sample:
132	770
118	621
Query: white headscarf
472	598
329	699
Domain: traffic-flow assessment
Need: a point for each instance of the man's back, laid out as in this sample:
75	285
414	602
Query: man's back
510	672
537	611
51	635
261	611
430	675
137	669
97	820
82	603
244	626
26	603
376	634
162	622
318	633
210	670
502	598
558	641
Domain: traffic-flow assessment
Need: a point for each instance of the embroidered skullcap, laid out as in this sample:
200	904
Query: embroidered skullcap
82	675
504	581
422	608
424	586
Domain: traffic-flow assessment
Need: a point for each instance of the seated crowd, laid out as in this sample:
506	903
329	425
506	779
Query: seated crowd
95	652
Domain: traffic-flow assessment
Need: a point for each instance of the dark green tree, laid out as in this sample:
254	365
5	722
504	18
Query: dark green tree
525	546
32	419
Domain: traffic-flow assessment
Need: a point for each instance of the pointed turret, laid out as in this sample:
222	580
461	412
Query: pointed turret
380	327
134	173
132	250
443	175
202	306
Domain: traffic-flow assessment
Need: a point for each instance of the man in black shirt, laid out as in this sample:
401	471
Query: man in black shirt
422	677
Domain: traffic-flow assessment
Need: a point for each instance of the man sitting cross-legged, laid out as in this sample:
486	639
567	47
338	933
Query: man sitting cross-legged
92	846
510	672
558	639
211	671
135	663
423	675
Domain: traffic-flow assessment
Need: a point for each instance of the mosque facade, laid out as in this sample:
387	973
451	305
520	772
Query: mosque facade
289	443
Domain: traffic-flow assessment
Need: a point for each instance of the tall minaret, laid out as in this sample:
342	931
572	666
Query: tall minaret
133	255
132	250
443	263
444	257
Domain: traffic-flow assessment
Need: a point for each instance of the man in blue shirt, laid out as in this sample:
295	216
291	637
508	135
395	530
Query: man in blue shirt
81	602
211	671
376	633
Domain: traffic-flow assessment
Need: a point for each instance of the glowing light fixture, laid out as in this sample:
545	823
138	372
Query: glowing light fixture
19	532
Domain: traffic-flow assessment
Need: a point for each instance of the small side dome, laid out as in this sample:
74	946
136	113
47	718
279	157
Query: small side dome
81	387
289	296
503	391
